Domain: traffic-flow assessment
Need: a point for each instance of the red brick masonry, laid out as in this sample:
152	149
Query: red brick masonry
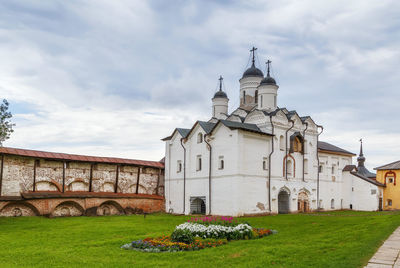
55	204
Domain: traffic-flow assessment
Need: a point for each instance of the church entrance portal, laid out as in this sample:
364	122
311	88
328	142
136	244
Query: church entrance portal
303	203
197	205
283	202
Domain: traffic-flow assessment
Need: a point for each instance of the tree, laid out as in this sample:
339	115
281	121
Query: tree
6	127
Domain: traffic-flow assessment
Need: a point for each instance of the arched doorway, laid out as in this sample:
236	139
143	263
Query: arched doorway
283	202
197	206
303	203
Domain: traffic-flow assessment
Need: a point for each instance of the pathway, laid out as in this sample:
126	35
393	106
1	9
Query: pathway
388	254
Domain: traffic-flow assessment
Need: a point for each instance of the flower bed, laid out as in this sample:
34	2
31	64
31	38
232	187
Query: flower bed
165	244
200	233
241	231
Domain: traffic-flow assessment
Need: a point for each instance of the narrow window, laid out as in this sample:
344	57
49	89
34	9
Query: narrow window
333	204
321	169
275	101
256	97
198	162
179	166
244	97
199	138
261	100
221	164
265	163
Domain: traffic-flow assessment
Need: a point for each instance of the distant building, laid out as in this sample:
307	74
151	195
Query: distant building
389	175
260	159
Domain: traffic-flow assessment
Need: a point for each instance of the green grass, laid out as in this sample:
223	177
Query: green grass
335	239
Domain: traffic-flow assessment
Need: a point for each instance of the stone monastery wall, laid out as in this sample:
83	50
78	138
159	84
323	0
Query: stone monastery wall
32	185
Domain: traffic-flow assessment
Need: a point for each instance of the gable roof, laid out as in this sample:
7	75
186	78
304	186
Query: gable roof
393	165
349	168
182	131
79	158
327	147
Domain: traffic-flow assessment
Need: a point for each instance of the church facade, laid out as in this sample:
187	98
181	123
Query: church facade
260	159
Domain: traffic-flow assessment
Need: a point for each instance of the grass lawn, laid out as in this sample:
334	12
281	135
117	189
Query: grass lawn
334	239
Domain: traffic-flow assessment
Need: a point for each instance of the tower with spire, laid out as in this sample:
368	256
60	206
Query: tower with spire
267	92
361	169
248	84
220	102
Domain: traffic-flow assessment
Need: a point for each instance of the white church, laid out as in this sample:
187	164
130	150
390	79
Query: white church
261	159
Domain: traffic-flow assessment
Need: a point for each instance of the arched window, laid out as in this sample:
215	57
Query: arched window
297	146
289	167
199	138
333	204
281	143
256	96
244	96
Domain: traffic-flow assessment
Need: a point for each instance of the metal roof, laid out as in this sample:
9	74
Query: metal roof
324	146
207	126
243	126
394	165
183	131
368	179
80	158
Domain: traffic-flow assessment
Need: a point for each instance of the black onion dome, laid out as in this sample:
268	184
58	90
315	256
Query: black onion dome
253	71
220	94
268	81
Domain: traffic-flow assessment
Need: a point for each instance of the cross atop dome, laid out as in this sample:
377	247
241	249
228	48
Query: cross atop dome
253	71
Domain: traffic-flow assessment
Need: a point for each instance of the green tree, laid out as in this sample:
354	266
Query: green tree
6	127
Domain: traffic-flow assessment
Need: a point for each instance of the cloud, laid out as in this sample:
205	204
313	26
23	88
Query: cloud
113	77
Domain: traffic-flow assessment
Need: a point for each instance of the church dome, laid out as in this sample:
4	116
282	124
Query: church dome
220	94
268	81
253	71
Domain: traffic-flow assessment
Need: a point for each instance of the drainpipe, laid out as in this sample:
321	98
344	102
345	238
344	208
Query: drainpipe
322	129
184	175
269	165
209	174
304	137
286	153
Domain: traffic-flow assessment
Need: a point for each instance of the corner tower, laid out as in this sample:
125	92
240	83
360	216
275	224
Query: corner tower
220	103
267	92
248	84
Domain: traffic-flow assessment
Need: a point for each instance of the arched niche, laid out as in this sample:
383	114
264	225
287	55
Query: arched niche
67	209
17	209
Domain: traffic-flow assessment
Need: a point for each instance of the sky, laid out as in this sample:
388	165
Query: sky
112	78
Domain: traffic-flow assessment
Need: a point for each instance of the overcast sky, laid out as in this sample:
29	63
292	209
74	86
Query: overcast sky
112	78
